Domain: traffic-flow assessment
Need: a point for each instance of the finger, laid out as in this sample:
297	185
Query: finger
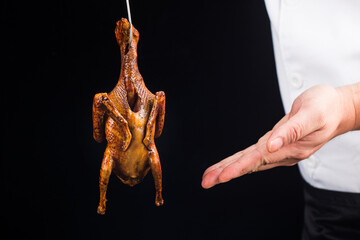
211	175
298	126
223	162
247	163
258	159
228	160
211	178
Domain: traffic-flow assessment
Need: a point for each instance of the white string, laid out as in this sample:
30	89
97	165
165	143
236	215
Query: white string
129	16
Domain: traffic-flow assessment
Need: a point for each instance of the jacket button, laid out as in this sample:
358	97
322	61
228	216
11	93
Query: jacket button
296	81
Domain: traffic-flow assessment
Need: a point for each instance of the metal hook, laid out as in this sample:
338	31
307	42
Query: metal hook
129	16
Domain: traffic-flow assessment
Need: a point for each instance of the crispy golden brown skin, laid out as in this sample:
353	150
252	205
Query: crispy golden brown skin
130	117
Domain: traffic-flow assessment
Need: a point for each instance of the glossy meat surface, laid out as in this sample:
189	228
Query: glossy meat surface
129	117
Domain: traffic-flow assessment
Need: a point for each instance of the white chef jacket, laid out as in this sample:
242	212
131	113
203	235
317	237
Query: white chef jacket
318	42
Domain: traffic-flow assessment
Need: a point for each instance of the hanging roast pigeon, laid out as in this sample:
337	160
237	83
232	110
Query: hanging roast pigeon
130	117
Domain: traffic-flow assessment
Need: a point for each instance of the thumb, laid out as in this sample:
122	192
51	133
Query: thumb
297	127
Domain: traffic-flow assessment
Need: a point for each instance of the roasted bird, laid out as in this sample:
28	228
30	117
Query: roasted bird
130	117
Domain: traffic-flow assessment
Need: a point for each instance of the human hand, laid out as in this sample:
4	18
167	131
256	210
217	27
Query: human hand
317	115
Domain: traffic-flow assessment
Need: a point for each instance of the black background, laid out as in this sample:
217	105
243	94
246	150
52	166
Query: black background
213	59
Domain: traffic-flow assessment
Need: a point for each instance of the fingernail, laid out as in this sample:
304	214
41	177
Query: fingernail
276	144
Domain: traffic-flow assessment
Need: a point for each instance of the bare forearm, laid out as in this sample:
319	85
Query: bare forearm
356	97
350	96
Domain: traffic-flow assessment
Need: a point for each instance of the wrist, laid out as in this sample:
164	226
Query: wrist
356	103
349	97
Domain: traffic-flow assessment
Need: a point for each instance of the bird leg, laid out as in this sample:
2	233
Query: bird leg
155	122
157	174
106	167
102	105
